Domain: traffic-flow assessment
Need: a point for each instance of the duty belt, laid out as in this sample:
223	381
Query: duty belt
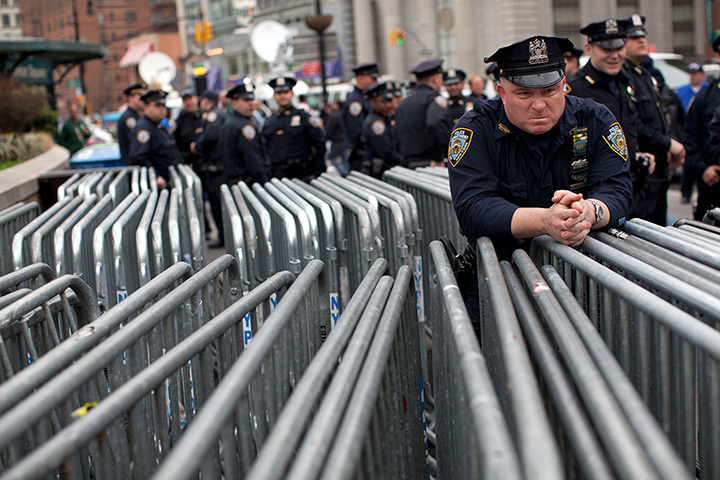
580	164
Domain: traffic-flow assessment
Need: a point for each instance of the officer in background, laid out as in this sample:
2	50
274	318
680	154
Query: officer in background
210	150
378	131
654	136
129	118
572	61
188	126
355	110
602	79
295	141
396	88
700	156
151	145
457	104
243	154
423	123
477	88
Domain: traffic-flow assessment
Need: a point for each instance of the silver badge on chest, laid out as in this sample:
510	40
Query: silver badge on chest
295	121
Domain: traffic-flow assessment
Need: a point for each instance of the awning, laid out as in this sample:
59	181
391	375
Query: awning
135	53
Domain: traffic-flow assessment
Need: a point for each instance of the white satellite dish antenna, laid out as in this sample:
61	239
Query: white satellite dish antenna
157	68
272	41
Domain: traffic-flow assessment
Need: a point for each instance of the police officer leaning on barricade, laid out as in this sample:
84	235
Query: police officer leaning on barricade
654	136
603	79
355	110
698	143
129	118
422	119
378	131
244	157
210	150
535	161
457	104
150	144
295	141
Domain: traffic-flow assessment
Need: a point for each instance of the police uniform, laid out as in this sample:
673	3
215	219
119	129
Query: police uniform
151	145
127	123
295	141
650	202
379	136
422	120
244	157
188	127
698	141
456	106
354	111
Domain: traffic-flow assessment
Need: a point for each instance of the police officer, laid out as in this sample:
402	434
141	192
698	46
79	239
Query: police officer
457	104
355	110
653	132
210	150
151	145
423	123
129	119
698	143
396	88
572	61
536	161
378	131
603	79
243	153
477	88
295	141
188	126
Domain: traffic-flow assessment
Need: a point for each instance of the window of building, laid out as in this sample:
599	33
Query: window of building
112	16
5	20
3	3
101	18
49	29
130	16
113	36
625	8
156	18
232	66
115	56
62	23
103	37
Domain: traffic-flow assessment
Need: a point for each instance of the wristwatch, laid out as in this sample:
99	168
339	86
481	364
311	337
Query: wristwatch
598	212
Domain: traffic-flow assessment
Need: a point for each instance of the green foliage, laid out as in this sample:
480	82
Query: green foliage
21	105
46	120
16	149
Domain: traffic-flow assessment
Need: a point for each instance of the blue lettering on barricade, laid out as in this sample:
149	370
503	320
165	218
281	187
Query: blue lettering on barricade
273	302
419	296
121	295
247	330
334	309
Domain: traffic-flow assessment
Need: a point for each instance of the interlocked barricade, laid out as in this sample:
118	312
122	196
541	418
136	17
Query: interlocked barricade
21	241
670	356
12	220
62	236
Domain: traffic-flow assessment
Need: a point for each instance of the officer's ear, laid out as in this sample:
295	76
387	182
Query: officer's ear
500	89
587	50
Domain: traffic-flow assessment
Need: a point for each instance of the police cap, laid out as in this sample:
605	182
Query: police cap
396	88
716	45
282	84
379	90
210	95
574	53
154	96
536	62
366	69
636	27
243	91
428	68
610	34
492	72
188	92
133	89
453	76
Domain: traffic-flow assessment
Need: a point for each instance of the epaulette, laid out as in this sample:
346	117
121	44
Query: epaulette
589	80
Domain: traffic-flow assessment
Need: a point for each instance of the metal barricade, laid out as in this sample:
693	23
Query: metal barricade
119	364
305	227
89	183
234	232
265	263
124	253
81	235
26	276
143	246
694	223
160	234
21	247
284	234
196	231
65	189
41	243
12	220
62	236
473	439
182	220
103	186
193	184
119	187
673	358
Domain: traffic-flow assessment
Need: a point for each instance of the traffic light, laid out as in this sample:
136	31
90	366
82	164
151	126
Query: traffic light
203	32
397	37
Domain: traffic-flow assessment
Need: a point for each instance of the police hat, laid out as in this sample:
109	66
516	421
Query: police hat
133	89
188	92
243	91
366	69
610	33
536	62
636	28
210	95
396	88
574	53
154	96
453	76
427	68
381	90
282	84
716	45
492	72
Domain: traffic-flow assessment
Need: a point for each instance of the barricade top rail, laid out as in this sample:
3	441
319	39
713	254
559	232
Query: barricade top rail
18	387
197	237
291	234
15	211
700	234
62	237
306	207
119	186
695	223
13	296
159	232
307	228
367	199
294	190
24	274
234	232
407	176
82	236
337	209
20	247
103	186
440	172
41	241
264	228
64	189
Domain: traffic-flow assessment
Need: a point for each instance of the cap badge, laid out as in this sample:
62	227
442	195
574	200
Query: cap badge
452	73
611	26
280	82
248	87
637	21
538	52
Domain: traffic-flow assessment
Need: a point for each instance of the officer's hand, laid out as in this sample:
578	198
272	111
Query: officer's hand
433	163
192	148
565	224
711	175
161	183
651	160
676	155
565	197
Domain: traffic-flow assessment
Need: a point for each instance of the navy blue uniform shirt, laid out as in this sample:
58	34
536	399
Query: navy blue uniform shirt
492	174
125	126
243	154
457	108
423	127
295	144
153	146
208	143
354	111
381	143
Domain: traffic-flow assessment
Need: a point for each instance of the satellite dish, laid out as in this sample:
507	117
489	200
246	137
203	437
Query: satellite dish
157	68
272	41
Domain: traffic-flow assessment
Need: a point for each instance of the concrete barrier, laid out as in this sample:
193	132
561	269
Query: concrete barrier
20	183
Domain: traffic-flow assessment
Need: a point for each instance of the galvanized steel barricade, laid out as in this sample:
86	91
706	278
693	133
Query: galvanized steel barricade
161	408
41	243
12	220
21	241
81	236
473	440
62	236
671	357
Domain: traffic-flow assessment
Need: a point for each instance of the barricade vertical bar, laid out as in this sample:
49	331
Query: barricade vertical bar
119	187
160	234
82	240
125	259
103	186
21	249
142	239
12	220
284	239
63	190
62	237
42	239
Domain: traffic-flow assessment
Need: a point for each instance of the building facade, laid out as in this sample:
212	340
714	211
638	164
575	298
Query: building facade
10	19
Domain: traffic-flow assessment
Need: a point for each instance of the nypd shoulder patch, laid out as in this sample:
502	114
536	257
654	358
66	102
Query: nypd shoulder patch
249	132
459	144
130	122
143	136
315	122
442	101
615	138
567	89
378	127
355	108
212	116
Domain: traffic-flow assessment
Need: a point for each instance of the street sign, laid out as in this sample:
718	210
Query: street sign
311	68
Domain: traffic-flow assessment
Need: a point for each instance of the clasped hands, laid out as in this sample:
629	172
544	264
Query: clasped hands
569	219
